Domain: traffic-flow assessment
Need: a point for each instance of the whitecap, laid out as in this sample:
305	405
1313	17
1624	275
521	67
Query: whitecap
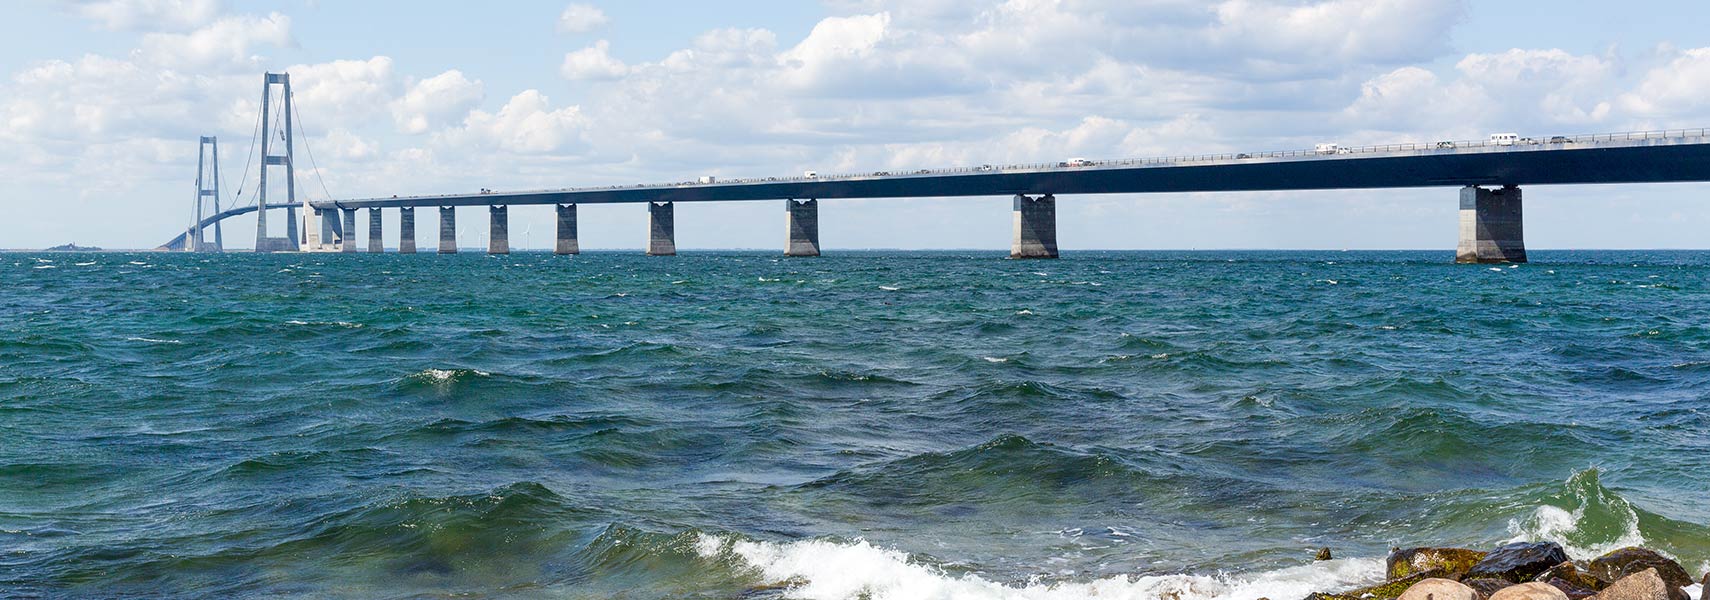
84	264
45	266
1554	524
824	570
993	359
1024	312
889	288
138	262
152	340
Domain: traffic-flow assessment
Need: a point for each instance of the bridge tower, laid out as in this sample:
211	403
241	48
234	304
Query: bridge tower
207	187
290	242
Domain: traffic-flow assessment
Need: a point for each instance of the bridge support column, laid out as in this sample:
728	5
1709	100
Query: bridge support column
499	233
448	230
347	241
661	229
329	229
1491	226
802	224
567	242
1035	228
376	241
407	230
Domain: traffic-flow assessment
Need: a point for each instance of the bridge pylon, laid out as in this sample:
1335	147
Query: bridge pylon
291	242
207	190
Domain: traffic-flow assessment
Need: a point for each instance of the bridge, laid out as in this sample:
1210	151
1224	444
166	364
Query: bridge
1488	174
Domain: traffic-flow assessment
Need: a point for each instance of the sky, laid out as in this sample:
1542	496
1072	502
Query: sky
102	102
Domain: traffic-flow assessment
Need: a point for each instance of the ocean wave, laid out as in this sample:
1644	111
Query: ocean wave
833	570
1589	520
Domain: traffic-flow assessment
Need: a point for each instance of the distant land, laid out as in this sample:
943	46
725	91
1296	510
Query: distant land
73	247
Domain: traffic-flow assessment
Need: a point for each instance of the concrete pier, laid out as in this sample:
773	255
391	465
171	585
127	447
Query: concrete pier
376	241
499	232
567	242
1492	230
448	230
347	242
332	233
661	229
802	226
1035	228
406	230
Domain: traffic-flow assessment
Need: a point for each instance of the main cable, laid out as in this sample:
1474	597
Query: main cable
309	148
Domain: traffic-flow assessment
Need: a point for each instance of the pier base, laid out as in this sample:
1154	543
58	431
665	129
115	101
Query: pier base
499	231
376	241
1035	228
407	230
1491	226
802	225
567	241
448	230
347	241
661	229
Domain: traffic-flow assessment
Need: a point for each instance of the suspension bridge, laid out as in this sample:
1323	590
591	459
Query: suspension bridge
1488	174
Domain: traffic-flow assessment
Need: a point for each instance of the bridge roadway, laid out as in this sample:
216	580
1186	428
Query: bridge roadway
178	243
1488	173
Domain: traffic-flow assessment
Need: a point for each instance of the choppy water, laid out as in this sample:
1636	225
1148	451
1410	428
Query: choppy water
883	425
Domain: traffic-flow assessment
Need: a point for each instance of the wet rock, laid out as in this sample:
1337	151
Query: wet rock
1454	561
1704	592
1324	554
1519	562
1529	591
1572	590
1388	590
1569	574
1440	589
1645	585
1487	586
1615	565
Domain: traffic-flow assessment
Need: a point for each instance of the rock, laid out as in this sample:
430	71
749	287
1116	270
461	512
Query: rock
1388	590
1519	562
1324	554
1627	561
1645	585
1440	589
1573	591
1704	592
1454	561
1569	574
1487	586
1529	591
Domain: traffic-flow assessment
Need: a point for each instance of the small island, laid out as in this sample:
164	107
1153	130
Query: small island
73	247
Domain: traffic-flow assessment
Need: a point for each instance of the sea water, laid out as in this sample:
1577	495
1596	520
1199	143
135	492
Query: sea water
884	425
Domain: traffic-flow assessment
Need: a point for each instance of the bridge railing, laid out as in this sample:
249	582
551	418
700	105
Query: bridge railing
1175	160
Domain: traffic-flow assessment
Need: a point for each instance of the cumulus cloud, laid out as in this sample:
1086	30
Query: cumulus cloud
593	63
149	15
1673	89
434	101
527	124
581	18
227	43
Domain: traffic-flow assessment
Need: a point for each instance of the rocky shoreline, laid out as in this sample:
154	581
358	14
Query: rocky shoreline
1525	571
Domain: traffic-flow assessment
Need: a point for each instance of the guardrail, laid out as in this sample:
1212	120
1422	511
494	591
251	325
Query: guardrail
1170	160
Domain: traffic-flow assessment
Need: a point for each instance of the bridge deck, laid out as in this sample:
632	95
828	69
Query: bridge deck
1621	158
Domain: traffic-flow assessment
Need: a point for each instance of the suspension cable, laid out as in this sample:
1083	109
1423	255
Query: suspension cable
248	158
309	148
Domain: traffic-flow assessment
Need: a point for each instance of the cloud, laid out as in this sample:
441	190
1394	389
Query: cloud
581	18
1674	89
527	124
343	93
593	63
148	15
434	101
226	44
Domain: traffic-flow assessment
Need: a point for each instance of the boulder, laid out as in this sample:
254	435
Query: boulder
1440	589
1704	592
1615	565
1645	585
1568	573
1388	590
1454	561
1573	590
1519	562
1324	554
1487	586
1529	591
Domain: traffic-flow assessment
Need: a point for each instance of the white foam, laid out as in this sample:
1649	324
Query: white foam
994	359
1554	524
151	340
823	570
